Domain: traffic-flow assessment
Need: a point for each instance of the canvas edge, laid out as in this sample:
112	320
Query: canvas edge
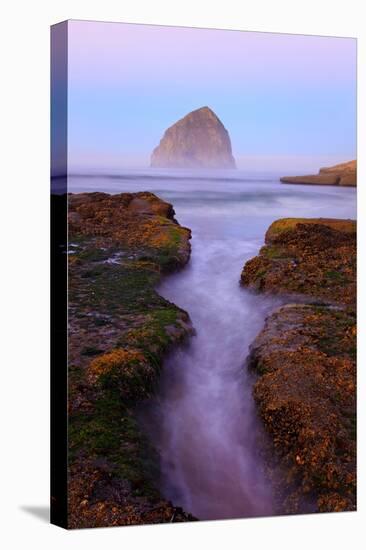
58	214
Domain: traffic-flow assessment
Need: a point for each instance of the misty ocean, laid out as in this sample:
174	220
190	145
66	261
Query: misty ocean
203	419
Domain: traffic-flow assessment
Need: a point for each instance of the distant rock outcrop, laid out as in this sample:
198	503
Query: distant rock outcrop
344	174
199	140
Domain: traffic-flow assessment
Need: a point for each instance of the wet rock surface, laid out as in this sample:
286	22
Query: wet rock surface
120	329
344	174
304	362
311	257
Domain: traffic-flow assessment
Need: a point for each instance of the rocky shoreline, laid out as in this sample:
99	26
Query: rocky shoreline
344	174
304	362
120	329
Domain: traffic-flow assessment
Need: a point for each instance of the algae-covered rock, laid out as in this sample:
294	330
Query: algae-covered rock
139	222
286	224
313	257
305	392
99	498
120	328
304	362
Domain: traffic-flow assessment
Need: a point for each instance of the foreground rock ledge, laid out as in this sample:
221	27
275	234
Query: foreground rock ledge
120	330
305	362
344	174
315	258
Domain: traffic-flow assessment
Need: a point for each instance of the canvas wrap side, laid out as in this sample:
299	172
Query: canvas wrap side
59	274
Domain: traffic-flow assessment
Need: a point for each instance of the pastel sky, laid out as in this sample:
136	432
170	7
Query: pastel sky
288	101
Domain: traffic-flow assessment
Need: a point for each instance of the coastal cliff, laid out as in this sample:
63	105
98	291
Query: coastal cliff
304	362
120	329
344	174
199	140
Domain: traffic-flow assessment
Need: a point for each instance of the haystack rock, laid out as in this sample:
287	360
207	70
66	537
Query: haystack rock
344	174
199	140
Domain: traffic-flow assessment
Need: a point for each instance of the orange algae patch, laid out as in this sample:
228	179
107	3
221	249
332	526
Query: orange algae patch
125	369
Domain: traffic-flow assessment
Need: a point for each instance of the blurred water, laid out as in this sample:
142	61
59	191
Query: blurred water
203	420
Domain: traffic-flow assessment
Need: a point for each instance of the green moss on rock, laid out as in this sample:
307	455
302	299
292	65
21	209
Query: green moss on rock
313	257
304	360
120	330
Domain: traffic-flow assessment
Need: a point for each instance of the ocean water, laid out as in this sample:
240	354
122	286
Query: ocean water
203	419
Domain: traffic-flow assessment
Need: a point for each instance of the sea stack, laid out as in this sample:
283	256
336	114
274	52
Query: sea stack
199	140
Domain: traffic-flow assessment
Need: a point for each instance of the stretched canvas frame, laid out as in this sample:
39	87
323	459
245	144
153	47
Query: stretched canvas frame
203	309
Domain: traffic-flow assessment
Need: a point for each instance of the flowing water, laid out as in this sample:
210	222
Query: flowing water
203	419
